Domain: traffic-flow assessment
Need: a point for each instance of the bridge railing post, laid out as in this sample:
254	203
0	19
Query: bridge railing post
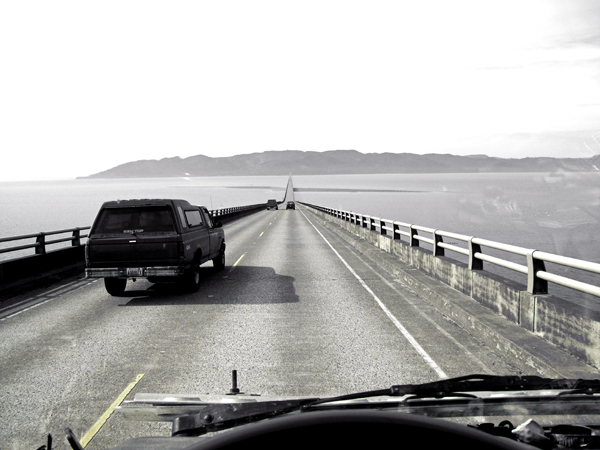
372	226
437	250
40	242
535	285
382	226
474	262
414	242
364	220
396	233
76	242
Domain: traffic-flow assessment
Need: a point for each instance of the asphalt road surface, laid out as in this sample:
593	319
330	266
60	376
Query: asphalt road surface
296	312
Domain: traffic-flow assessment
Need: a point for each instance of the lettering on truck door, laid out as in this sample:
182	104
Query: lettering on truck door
197	236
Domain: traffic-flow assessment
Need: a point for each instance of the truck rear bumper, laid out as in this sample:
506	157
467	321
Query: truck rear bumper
134	272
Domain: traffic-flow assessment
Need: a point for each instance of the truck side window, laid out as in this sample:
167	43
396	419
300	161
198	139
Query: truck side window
182	217
209	221
193	218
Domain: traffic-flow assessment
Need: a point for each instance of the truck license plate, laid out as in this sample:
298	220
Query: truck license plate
135	272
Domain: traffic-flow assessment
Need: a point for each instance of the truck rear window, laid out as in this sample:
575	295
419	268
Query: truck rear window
135	221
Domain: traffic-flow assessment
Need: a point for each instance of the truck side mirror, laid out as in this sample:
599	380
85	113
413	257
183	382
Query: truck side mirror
218	224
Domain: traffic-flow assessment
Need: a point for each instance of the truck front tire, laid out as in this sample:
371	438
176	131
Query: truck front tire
115	286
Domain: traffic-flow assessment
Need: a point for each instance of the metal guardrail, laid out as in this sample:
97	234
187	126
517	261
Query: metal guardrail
41	243
535	268
217	213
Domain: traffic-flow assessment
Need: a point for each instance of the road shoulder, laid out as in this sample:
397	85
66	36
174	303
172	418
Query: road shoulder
509	339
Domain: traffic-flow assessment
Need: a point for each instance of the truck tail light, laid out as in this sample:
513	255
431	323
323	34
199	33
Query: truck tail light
180	250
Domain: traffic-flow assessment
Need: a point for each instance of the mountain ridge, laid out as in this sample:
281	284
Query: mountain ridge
337	162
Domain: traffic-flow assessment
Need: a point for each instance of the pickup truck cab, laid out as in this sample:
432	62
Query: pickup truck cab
157	239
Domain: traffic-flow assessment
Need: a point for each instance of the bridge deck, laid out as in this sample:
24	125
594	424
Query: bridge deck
297	311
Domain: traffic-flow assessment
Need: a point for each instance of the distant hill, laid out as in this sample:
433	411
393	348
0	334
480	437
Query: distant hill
339	162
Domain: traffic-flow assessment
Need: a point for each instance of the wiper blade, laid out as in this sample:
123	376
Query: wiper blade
473	383
194	418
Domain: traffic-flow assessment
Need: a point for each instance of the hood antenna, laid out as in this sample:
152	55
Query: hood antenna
234	389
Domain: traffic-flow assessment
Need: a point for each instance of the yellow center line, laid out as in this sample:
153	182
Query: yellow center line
238	261
261	234
87	437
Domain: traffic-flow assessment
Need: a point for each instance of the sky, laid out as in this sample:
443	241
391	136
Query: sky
86	86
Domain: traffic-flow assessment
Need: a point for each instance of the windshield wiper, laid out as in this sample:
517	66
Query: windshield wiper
214	417
459	386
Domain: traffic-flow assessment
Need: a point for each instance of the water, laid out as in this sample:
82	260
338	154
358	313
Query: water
31	207
556	213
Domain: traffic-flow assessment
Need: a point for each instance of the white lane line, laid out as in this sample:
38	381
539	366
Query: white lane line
425	316
400	327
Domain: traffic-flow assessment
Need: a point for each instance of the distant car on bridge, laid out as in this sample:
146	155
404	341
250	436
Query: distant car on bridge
272	204
290	205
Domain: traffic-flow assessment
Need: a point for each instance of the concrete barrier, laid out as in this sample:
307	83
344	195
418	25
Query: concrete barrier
569	326
30	272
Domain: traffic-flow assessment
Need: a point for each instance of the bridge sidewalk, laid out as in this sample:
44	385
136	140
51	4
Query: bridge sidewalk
506	338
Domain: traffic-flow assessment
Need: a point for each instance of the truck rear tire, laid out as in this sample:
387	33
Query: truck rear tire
115	286
219	261
192	278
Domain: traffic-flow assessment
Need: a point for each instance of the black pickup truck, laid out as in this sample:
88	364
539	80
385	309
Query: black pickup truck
157	239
